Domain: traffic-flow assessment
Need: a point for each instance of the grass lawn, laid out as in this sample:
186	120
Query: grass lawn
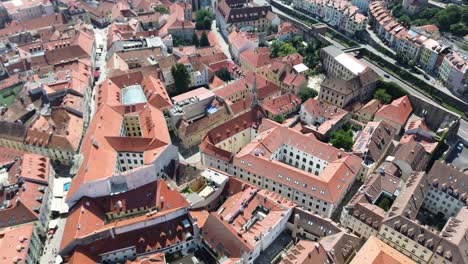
7	97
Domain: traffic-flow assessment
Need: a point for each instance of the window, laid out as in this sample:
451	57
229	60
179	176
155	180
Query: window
296	182
288	179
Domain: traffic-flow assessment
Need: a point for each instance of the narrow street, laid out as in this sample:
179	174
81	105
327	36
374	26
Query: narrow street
222	43
101	39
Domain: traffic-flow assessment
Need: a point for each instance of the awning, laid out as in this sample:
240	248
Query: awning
58	259
52	224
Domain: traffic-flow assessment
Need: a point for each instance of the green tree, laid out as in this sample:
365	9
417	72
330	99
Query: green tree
307	93
448	16
178	41
342	139
280	49
459	29
204	42
223	74
203	19
279	118
181	78
405	20
428	13
393	89
385	204
382	96
195	40
161	9
464	18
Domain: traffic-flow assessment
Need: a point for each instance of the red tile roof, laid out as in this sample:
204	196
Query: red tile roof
256	58
398	111
282	105
89	215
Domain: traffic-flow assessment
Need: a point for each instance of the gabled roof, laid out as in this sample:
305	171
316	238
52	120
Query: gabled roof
398	111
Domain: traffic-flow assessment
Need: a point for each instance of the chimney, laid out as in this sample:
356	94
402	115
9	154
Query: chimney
295	228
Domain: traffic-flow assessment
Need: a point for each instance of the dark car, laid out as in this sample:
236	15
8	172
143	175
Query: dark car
386	75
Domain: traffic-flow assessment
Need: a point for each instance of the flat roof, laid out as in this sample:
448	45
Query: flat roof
300	68
351	63
133	94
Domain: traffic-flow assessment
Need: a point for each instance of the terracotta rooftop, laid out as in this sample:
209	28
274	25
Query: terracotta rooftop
330	115
256	58
398	111
92	215
375	251
15	242
330	183
282	104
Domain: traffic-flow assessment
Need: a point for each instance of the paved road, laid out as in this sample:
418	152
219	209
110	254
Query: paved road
462	131
52	244
438	4
101	39
222	43
432	81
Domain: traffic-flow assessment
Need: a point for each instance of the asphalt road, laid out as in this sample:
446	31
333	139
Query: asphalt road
222	43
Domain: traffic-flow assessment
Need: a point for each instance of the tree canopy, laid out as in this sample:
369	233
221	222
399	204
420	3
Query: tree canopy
307	93
382	96
280	49
181	78
204	42
203	19
453	18
342	139
195	40
393	89
223	74
279	118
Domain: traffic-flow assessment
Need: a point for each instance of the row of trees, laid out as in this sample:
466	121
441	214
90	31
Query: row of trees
453	19
202	42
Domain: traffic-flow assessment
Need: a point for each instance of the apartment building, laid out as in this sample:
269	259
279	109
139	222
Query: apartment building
396	113
322	118
151	218
127	144
243	239
453	72
240	42
56	131
373	144
285	105
432	54
349	80
243	15
364	213
374	250
253	59
401	231
20	10
310	173
20	244
26	186
446	189
340	14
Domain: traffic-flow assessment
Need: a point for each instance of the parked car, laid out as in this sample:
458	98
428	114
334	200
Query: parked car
386	75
